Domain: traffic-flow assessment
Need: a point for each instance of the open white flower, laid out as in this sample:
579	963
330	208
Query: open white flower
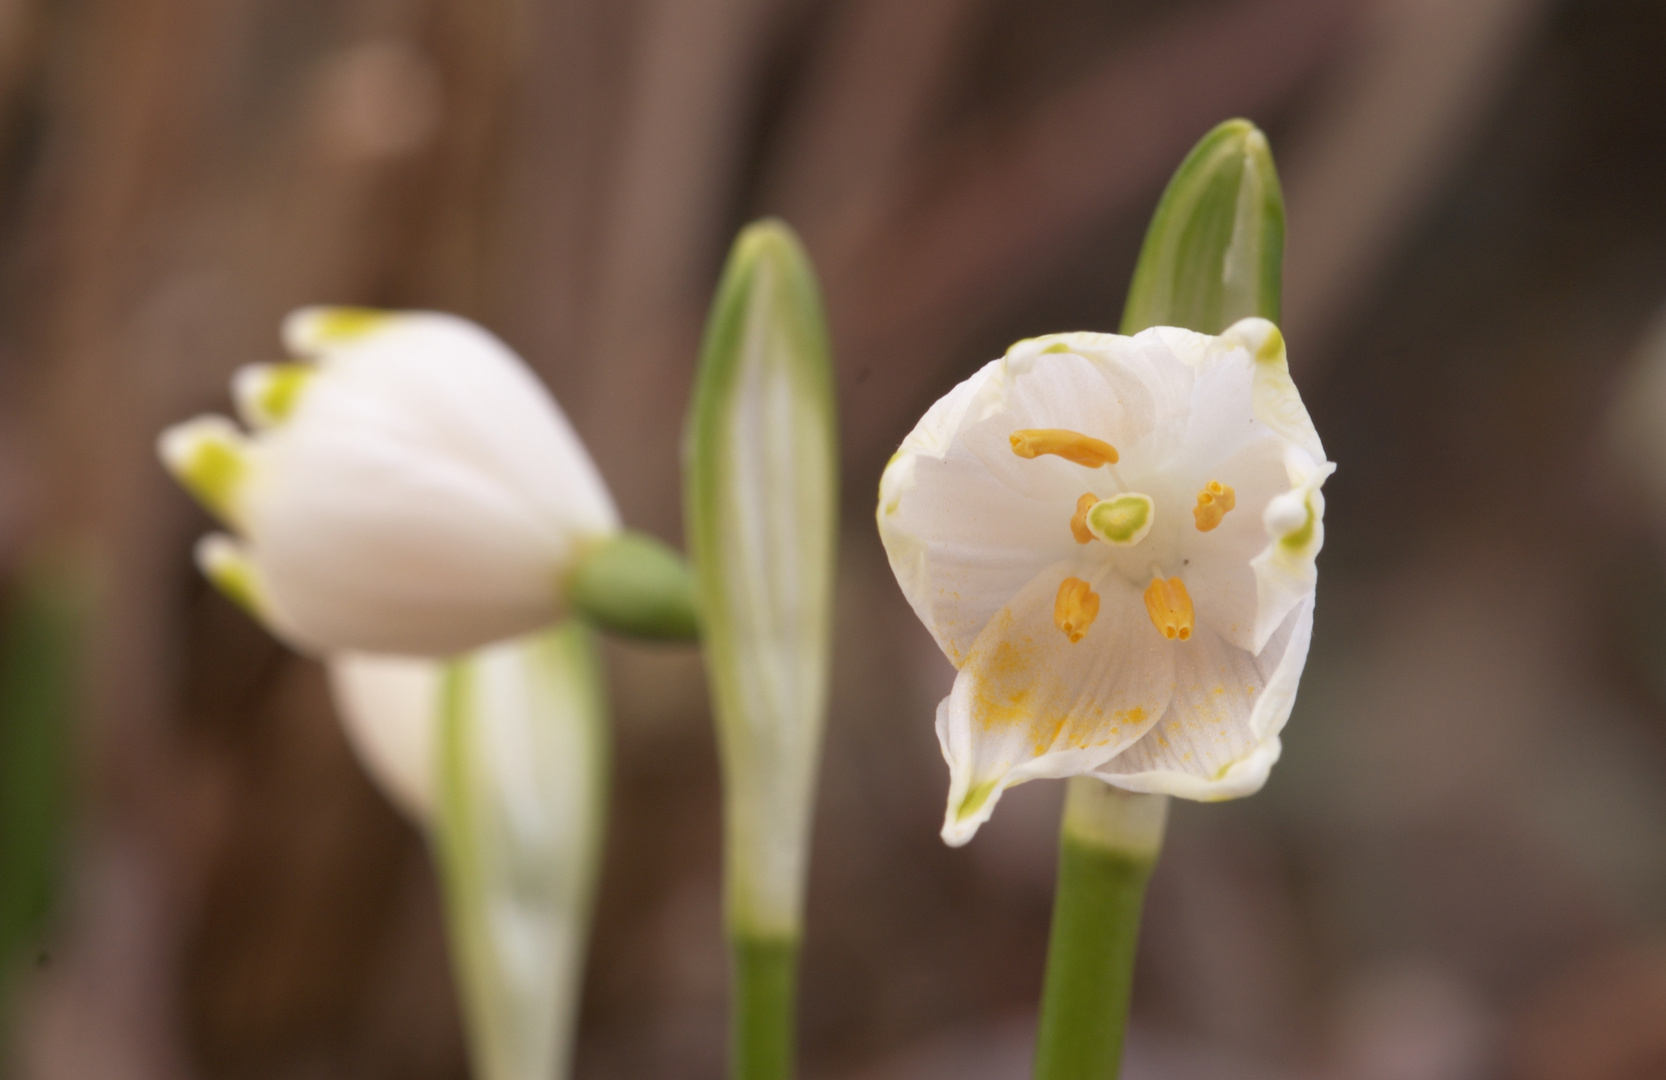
410	488
1113	539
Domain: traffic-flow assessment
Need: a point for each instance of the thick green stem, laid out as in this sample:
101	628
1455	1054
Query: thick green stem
763	1000
1108	843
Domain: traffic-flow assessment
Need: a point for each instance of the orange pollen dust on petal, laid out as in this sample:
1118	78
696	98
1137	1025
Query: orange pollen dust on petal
1070	445
1170	608
1212	504
1076	608
1079	523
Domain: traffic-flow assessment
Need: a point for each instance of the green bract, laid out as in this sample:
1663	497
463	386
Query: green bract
521	786
762	502
1214	251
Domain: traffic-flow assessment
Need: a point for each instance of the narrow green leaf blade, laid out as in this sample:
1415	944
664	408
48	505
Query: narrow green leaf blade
761	498
522	786
1214	252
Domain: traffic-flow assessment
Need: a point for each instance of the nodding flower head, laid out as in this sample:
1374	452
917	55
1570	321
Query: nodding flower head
404	485
1113	538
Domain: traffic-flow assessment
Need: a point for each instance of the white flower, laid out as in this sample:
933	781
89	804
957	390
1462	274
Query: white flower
412	488
1113	539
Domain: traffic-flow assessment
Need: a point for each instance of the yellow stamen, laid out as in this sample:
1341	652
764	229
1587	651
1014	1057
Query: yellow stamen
1170	608
1079	524
1212	504
1070	445
1076	608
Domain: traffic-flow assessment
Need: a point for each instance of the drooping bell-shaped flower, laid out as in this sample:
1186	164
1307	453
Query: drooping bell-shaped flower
1113	538
408	487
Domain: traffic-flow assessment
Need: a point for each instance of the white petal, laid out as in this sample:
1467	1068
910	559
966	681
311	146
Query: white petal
965	521
209	457
1220	734
1030	703
368	545
390	707
1286	571
266	394
424	495
1277	403
1217	565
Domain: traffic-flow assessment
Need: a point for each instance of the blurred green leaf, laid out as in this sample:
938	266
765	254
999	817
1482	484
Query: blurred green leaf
1214	252
39	654
522	798
761	496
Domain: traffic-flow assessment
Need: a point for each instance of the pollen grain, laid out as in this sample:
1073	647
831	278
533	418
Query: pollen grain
1213	502
1170	608
1076	608
1070	445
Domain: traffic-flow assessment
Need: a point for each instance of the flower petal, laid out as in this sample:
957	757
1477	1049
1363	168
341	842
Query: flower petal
423	496
209	457
390	709
1277	402
370	545
1031	702
1220	734
965	521
1286	571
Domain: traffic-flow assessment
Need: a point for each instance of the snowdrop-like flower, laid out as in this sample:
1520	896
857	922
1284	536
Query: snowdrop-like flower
409	487
1113	539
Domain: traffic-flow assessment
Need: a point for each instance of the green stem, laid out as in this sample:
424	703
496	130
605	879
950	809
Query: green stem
764	998
1108	844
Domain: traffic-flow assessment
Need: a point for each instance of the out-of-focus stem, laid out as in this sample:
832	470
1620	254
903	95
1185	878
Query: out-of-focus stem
762	1025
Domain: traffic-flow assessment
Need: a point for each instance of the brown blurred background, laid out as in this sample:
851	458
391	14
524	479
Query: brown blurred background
1457	873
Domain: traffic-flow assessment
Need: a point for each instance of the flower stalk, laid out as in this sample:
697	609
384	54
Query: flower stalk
762	502
1108	844
1213	254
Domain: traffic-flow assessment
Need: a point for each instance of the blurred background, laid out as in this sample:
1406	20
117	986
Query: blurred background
1457	873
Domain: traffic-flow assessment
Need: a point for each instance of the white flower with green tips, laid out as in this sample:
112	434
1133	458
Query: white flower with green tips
1113	539
407	487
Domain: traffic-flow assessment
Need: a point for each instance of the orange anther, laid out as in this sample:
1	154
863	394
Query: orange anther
1070	445
1076	608
1212	504
1079	524
1170	608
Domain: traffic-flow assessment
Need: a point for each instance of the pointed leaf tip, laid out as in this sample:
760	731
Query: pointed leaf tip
1214	252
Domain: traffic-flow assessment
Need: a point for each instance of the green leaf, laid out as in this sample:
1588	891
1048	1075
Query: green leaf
631	584
761	497
1214	252
522	790
40	656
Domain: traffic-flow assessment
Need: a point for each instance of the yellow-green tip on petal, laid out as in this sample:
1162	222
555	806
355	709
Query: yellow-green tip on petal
309	331
266	394
228	567
209	457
